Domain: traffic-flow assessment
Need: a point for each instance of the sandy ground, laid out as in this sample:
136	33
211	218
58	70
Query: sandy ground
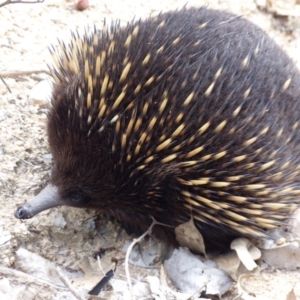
26	30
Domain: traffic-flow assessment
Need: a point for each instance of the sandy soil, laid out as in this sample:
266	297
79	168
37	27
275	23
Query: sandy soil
26	30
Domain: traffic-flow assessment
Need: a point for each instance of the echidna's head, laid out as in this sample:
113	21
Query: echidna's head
82	168
83	173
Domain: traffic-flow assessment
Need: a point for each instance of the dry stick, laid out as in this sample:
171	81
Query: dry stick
100	265
20	1
2	79
8	272
37	293
24	161
22	73
198	291
68	284
135	241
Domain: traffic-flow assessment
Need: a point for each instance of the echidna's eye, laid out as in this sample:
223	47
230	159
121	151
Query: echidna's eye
76	197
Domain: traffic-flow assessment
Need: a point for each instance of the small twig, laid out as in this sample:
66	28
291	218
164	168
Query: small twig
163	278
37	293
134	242
18	138
7	272
22	73
2	79
99	286
20	1
198	291
68	284
100	265
107	277
24	161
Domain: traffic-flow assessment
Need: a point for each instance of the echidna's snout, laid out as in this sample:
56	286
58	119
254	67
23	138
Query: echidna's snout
47	198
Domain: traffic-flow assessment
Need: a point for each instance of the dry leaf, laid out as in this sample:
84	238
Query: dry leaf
291	295
189	236
191	275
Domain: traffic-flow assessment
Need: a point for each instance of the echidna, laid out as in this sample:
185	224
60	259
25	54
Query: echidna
191	114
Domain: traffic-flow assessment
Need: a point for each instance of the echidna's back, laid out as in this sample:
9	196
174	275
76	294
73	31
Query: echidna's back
198	113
